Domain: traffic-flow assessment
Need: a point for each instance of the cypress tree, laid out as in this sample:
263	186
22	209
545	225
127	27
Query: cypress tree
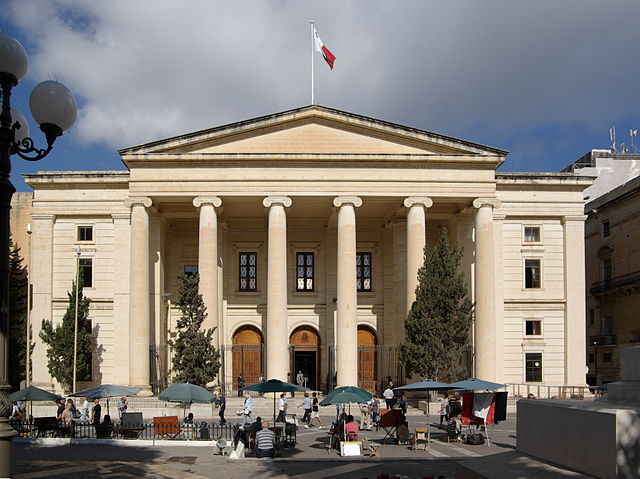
59	341
18	284
195	358
439	322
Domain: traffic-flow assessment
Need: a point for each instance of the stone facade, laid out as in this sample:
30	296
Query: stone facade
613	278
307	229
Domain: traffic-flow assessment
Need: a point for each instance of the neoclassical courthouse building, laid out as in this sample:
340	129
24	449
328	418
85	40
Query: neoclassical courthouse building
307	228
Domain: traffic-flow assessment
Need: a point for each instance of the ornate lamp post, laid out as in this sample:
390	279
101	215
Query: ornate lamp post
54	108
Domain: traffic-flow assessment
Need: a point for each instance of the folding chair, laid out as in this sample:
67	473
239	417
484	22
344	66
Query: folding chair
420	434
372	447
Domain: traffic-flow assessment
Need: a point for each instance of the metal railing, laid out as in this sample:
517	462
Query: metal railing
621	281
603	340
51	427
543	391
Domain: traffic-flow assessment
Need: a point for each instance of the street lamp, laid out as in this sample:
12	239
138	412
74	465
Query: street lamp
54	109
75	326
28	360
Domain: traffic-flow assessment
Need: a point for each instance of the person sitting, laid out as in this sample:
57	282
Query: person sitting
256	426
16	421
189	418
454	428
105	429
265	441
351	429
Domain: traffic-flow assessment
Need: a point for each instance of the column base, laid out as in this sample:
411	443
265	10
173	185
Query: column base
7	434
145	391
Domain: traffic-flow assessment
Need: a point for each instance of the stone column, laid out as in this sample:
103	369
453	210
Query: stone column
347	307
575	312
208	261
276	334
484	328
416	241
139	318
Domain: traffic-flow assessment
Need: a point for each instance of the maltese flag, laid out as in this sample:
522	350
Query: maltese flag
326	53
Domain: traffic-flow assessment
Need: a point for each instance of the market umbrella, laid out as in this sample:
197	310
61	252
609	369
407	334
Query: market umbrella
426	385
33	393
107	391
346	394
186	393
274	386
475	384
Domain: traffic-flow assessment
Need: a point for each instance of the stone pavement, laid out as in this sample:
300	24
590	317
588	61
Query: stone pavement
309	459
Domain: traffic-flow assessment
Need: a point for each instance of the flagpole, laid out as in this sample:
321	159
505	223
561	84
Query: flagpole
312	46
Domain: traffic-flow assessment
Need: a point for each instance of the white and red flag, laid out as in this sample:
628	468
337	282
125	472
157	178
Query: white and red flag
326	53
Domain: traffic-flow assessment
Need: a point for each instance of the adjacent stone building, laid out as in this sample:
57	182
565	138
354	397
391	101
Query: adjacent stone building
307	228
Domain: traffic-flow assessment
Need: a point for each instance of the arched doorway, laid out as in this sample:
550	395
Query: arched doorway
367	361
305	355
247	355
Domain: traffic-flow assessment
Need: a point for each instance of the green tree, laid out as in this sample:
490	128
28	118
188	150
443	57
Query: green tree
195	359
439	322
18	284
59	341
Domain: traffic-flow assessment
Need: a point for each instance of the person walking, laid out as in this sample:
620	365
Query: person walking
84	417
306	405
315	411
222	402
247	409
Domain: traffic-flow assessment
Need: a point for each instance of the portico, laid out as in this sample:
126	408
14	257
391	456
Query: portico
310	225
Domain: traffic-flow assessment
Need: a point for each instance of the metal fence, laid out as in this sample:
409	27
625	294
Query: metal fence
51	427
543	391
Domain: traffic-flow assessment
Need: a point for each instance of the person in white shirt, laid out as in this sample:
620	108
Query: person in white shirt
389	396
247	415
282	408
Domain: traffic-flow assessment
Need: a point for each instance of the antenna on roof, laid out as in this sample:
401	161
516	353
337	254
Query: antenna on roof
612	137
632	134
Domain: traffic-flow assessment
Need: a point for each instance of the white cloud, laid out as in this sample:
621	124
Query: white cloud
149	69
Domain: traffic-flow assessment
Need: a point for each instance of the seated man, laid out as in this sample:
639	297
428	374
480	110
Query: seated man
351	429
256	426
265	441
455	427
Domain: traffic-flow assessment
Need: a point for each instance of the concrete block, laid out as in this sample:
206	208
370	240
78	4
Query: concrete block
511	465
630	363
598	439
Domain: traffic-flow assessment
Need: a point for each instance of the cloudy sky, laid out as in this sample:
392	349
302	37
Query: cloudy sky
543	79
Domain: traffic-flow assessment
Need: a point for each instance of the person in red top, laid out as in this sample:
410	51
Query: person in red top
351	429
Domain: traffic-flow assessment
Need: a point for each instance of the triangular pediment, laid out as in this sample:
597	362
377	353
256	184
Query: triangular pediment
313	130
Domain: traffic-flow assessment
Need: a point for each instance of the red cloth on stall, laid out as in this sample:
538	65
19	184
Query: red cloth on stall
467	414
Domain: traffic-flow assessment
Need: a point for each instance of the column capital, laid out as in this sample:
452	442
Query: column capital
492	202
138	201
198	201
269	201
418	201
356	201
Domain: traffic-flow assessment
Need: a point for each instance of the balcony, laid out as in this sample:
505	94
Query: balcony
624	281
603	340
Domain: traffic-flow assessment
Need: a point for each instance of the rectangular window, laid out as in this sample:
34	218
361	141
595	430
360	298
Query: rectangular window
533	327
190	269
592	317
532	273
85	233
591	357
533	367
606	228
86	272
532	234
607	325
607	358
363	271
248	273
304	272
607	270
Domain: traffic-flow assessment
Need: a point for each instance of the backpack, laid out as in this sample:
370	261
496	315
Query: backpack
475	439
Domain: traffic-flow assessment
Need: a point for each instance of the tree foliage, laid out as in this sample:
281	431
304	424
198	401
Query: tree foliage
18	288
195	358
59	341
439	322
